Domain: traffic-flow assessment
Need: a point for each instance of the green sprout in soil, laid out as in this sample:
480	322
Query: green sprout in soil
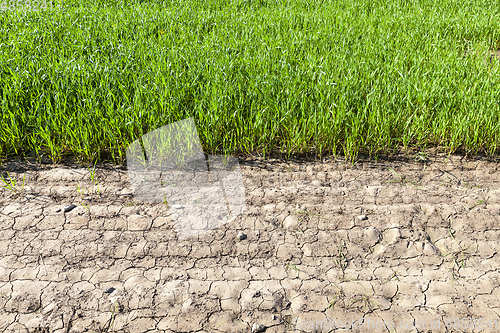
459	258
12	184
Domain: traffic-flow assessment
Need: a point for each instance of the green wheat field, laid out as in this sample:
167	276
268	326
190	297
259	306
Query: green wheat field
330	77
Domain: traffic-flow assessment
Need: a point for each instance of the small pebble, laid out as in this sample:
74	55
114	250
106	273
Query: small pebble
256	328
58	210
429	249
69	208
110	290
241	236
273	317
362	217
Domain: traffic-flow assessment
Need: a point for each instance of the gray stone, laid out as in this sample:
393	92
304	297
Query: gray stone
69	208
109	290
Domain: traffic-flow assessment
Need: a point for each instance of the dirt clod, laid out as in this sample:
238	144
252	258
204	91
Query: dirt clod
257	328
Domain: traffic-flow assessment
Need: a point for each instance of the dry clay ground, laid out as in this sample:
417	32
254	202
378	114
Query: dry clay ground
426	259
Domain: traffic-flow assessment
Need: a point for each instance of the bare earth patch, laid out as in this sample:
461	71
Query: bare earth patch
423	258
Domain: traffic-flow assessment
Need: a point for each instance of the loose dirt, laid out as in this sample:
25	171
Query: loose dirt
425	258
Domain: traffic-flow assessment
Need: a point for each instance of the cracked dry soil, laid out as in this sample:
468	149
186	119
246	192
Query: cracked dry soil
427	252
